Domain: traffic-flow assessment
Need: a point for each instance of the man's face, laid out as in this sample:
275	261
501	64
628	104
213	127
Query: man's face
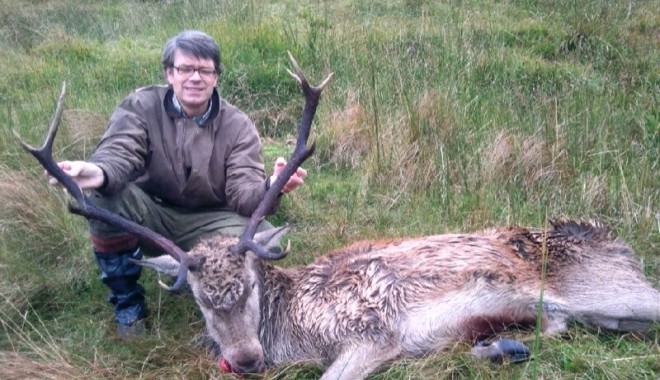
192	80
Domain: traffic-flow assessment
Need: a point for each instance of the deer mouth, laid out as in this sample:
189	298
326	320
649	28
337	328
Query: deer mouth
226	367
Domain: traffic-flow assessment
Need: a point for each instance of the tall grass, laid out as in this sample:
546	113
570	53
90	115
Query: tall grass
442	116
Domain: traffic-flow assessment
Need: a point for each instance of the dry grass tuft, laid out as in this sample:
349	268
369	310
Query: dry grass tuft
414	144
412	167
28	203
403	153
433	112
35	354
537	164
20	193
80	131
19	366
594	191
532	159
81	124
272	119
498	155
349	133
38	232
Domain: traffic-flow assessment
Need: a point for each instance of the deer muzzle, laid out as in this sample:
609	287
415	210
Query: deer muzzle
243	362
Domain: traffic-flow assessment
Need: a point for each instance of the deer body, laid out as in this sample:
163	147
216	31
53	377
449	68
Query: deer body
363	305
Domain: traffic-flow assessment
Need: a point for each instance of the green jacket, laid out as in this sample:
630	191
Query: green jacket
217	165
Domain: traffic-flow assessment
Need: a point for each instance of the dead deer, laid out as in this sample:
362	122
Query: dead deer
364	305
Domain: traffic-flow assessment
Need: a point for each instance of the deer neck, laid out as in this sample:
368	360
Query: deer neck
276	291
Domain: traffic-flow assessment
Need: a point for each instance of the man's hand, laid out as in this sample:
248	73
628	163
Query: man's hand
296	179
85	174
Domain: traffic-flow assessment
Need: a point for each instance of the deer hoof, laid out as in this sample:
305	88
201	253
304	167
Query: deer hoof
501	350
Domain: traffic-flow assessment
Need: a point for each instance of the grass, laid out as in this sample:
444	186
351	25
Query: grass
442	116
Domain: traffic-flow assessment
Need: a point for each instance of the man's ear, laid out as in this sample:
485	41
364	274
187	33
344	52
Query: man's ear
169	74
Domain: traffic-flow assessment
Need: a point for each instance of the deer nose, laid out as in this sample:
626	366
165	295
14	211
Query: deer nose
249	362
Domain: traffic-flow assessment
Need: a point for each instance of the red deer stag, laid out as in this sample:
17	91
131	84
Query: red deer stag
361	306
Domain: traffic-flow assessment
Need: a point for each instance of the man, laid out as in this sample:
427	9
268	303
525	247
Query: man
178	159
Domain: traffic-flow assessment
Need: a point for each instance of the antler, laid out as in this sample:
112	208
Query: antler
87	209
300	154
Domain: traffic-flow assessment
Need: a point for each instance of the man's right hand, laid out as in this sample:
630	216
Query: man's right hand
86	175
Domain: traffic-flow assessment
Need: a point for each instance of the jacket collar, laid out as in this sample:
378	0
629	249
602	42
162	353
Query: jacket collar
174	110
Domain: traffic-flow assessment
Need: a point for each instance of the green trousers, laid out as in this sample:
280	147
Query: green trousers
183	226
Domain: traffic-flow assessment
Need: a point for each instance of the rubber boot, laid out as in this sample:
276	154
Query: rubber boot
121	276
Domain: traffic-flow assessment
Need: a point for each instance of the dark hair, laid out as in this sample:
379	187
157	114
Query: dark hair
195	43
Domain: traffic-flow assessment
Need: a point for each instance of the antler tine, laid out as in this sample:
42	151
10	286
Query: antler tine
299	76
87	209
300	154
45	153
54	124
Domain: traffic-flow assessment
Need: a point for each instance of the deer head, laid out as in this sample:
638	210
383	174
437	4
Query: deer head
226	281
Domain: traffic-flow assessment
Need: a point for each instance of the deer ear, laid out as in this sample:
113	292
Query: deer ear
164	264
270	239
168	265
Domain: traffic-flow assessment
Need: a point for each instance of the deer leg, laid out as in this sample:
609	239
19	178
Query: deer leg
636	317
635	307
356	363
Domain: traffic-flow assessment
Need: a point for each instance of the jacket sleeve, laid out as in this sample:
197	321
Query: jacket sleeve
245	174
122	151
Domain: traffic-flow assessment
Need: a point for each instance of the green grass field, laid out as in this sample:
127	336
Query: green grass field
442	116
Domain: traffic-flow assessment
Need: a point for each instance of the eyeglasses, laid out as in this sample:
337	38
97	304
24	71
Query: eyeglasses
203	72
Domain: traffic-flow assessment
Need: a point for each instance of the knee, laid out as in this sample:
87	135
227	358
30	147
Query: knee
116	202
113	255
128	203
115	244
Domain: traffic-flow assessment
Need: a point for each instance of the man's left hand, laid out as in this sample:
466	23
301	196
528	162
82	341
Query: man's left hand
296	179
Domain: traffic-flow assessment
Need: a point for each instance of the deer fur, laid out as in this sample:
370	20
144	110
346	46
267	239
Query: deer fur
361	306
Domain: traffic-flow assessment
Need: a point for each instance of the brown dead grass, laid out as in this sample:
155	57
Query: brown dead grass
536	161
37	229
403	153
594	191
81	124
271	119
498	155
18	366
79	133
26	200
419	144
349	134
434	109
